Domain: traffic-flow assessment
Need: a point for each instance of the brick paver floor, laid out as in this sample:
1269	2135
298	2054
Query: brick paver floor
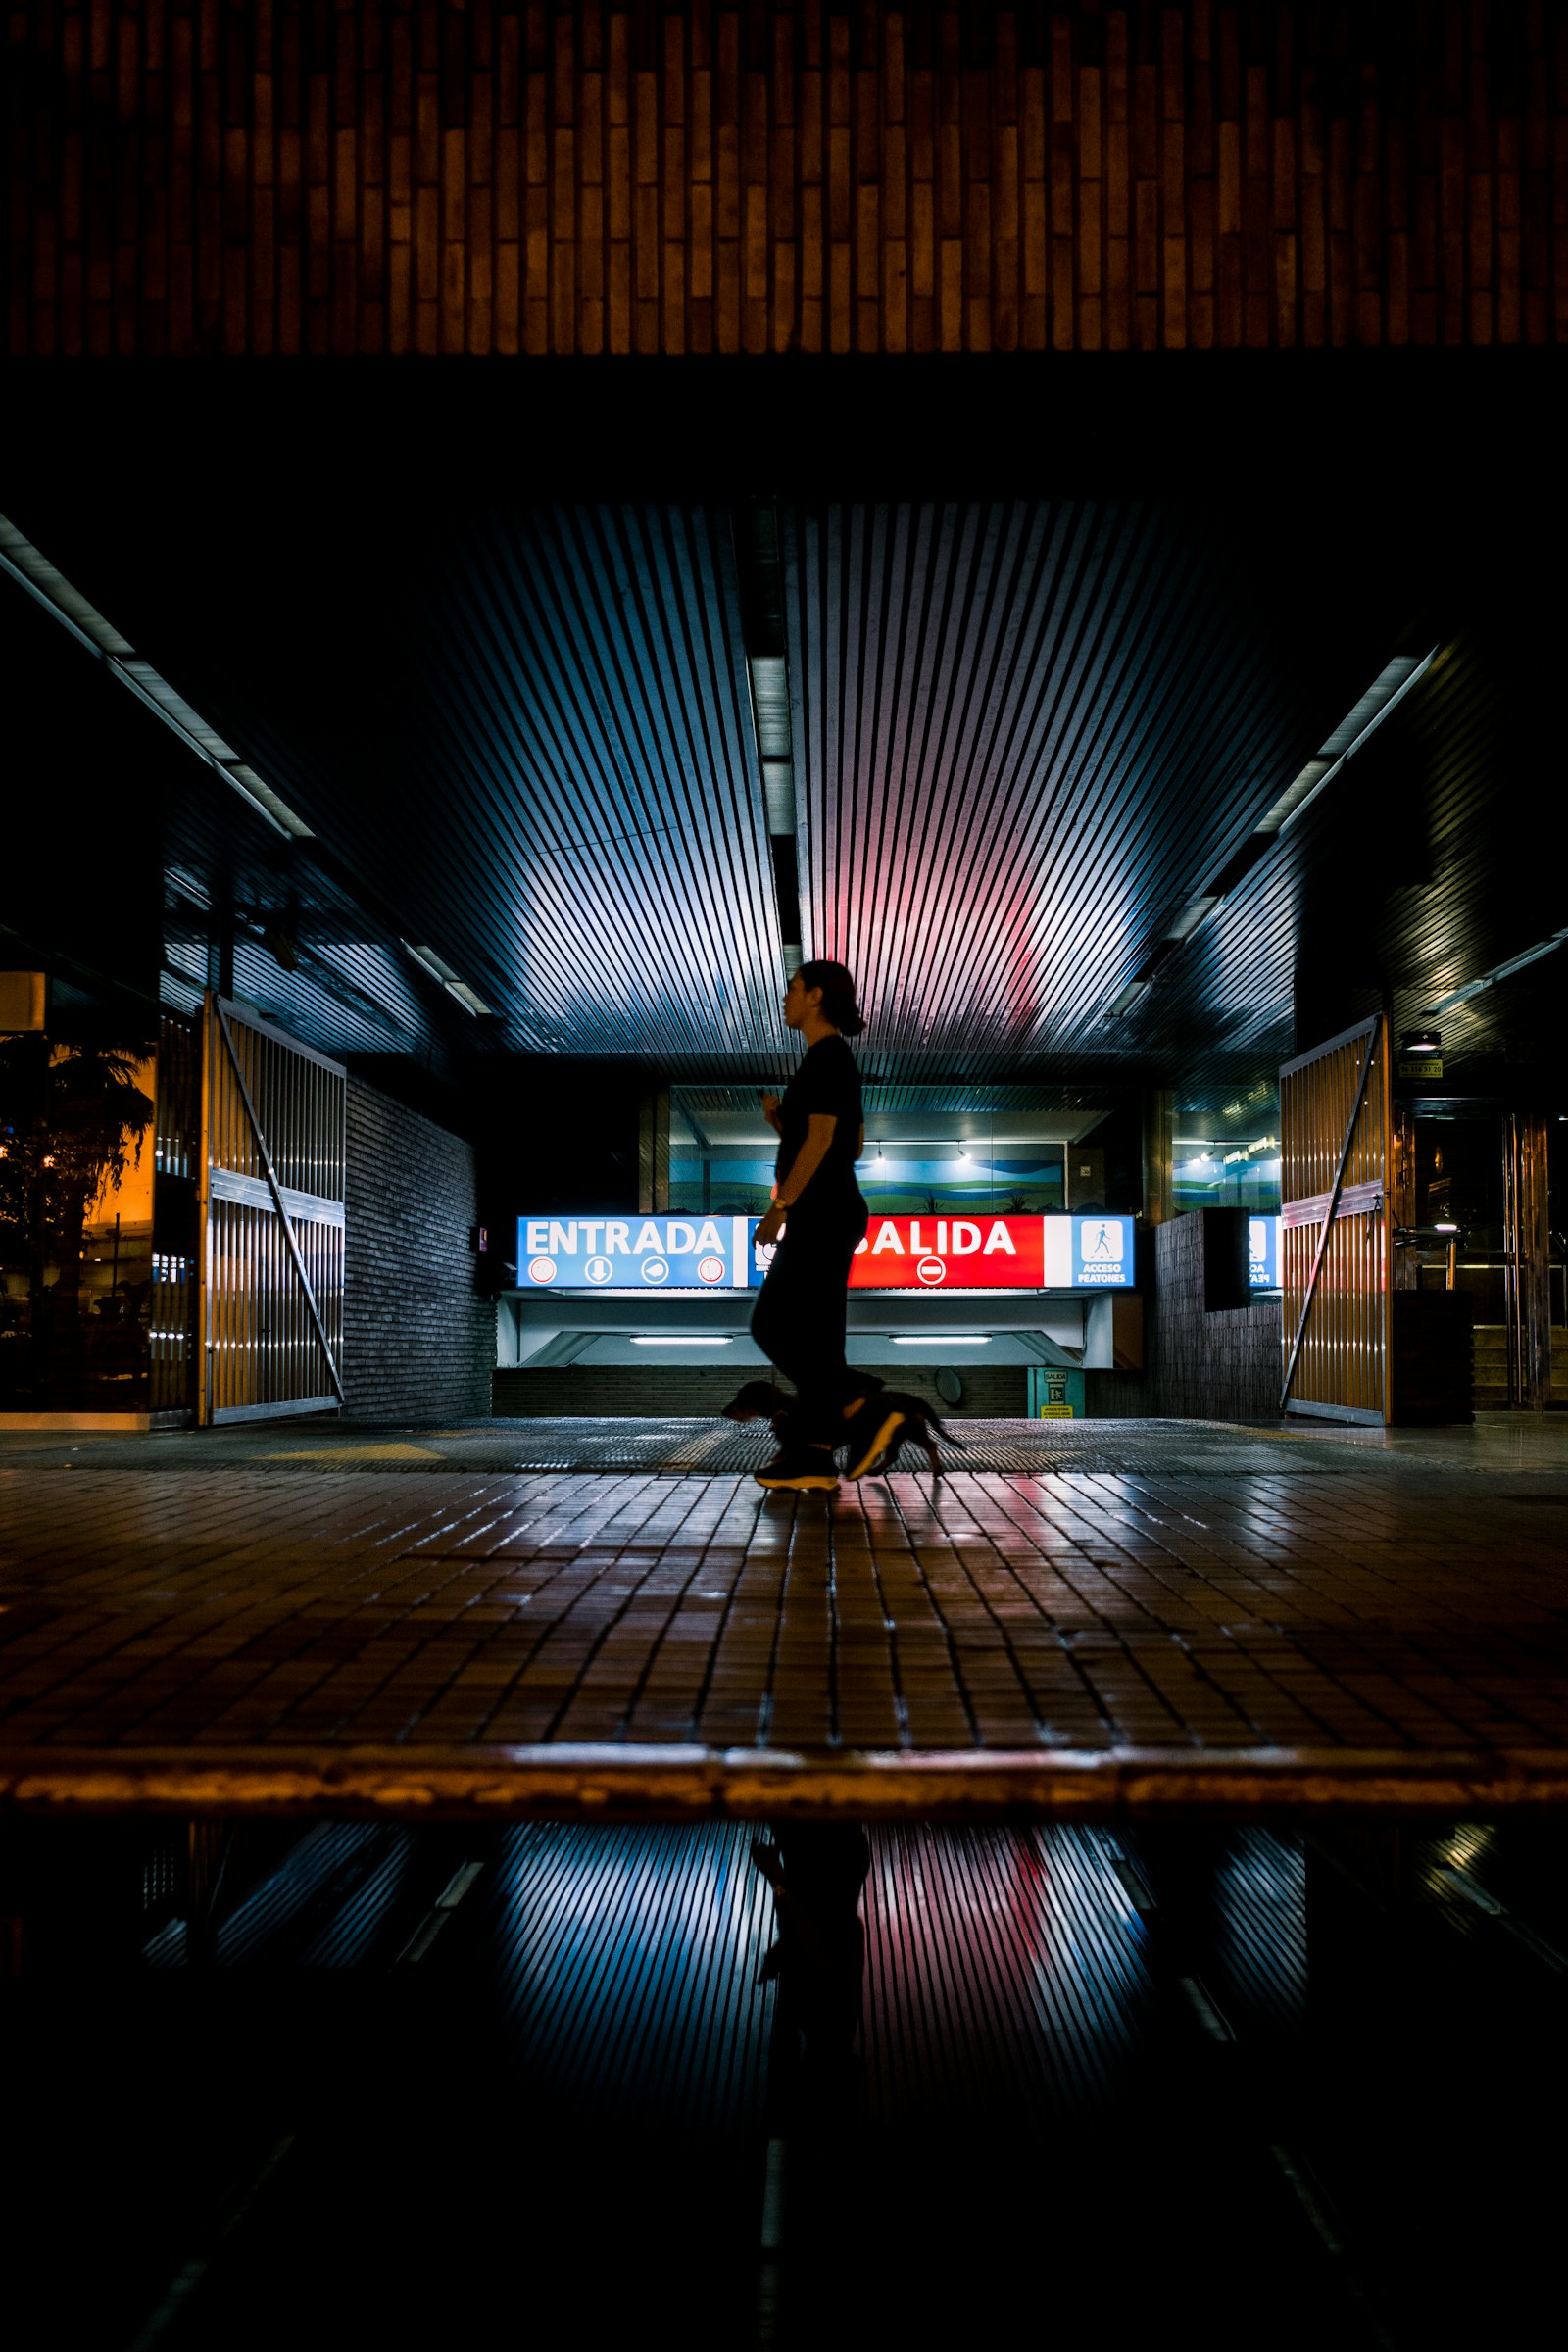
1236	1633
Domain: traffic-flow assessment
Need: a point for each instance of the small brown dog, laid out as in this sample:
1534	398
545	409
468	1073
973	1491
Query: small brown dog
759	1401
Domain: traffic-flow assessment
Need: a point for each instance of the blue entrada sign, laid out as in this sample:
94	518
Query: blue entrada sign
627	1254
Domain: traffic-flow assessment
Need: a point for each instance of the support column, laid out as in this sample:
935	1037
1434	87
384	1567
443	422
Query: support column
221	940
1159	1131
1527	1239
1402	1197
653	1152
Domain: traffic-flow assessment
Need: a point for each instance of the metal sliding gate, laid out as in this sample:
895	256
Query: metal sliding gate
274	1147
1335	1146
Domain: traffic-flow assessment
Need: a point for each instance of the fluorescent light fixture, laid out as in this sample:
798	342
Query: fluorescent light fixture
679	1338
1126	999
1385	694
771	709
1191	916
34	572
1499	971
938	1339
778	796
442	972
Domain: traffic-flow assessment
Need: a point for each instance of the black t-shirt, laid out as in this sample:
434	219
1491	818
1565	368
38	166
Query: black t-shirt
827	1082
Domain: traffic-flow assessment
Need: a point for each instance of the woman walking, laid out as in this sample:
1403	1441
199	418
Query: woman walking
802	1313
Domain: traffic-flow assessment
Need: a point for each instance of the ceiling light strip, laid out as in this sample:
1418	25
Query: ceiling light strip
32	570
942	1339
439	970
680	1338
1385	694
761	568
1499	971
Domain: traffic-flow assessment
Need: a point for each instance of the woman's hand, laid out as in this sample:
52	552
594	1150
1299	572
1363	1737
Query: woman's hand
772	1224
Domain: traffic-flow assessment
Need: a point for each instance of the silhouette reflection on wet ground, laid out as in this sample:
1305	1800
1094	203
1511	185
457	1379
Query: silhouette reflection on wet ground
817	1959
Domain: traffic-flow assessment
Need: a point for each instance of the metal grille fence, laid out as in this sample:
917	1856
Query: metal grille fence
275	1132
171	1350
1335	1145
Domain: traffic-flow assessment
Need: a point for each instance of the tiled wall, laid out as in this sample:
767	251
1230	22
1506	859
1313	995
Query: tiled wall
418	1343
682	1389
367	178
1223	1366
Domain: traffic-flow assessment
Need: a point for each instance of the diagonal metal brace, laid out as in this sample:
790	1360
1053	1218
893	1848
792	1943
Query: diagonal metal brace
1334	1202
277	1191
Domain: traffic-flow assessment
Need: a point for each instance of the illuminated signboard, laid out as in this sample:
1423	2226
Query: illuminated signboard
899	1253
635	1253
1102	1252
955	1253
1263	1253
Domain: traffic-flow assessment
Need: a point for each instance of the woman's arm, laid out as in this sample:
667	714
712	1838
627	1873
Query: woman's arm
798	1175
807	1159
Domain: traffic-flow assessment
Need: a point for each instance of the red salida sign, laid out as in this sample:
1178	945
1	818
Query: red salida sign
955	1253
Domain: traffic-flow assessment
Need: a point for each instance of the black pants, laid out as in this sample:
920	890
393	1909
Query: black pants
801	1318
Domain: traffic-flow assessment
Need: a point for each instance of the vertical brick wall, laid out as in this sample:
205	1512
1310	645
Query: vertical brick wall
793	175
1224	1367
417	1344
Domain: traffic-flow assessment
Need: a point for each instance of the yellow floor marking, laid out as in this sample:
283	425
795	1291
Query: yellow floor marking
358	1454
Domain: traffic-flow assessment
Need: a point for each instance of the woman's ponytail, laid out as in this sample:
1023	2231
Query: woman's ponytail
838	996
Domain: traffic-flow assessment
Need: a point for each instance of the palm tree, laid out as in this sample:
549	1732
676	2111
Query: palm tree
73	1119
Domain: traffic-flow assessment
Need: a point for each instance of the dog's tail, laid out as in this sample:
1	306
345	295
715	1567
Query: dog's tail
935	1428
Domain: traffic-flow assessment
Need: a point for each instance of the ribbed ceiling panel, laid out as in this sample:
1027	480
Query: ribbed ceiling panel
1408	878
1025	736
1029	732
592	776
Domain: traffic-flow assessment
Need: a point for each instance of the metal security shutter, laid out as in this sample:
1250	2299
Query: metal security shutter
273	1130
1336	1146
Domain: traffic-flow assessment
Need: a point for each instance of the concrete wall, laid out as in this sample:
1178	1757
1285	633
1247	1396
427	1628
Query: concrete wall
418	1343
685	1388
1220	1366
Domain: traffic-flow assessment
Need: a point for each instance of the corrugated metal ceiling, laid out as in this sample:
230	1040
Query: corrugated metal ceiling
1031	731
1026	735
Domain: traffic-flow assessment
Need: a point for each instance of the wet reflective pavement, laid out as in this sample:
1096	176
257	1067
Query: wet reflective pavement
1154	1616
552	2084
